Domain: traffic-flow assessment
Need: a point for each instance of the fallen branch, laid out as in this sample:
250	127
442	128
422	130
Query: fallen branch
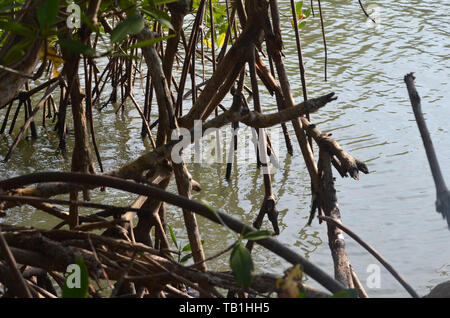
257	120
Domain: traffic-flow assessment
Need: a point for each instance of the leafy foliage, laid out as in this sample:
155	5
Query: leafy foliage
302	14
149	42
50	27
46	13
77	47
220	22
185	249
257	235
132	25
6	6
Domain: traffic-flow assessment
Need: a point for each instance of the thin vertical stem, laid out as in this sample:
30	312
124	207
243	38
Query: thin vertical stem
88	87
189	52
213	36
324	39
299	51
2	130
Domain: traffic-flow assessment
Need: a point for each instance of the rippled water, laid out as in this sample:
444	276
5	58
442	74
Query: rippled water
392	208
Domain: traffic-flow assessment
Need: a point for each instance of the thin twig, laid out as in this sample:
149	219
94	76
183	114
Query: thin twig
365	12
15	72
213	257
324	39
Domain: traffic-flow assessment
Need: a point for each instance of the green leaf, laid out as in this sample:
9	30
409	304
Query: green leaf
16	28
172	235
187	248
19	50
126	4
132	25
150	41
195	4
241	264
46	13
307	12
257	235
346	293
77	47
186	258
160	16
298	7
302	24
79	276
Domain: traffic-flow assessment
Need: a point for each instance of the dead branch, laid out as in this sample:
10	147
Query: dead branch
442	193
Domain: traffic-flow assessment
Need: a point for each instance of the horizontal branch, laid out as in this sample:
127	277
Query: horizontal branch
258	120
15	72
63	215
